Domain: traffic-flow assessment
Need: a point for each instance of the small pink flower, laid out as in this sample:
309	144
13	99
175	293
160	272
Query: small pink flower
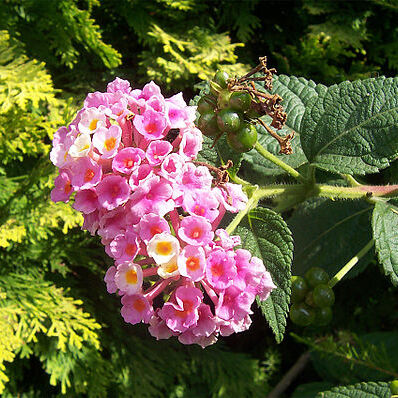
90	120
127	160
139	175
221	268
191	143
265	285
151	197
119	85
183	314
110	280
107	141
196	231
176	115
86	201
113	191
136	308
206	324
150	225
234	303
234	326
226	241
171	167
232	197
128	278
91	222
112	222
192	262
62	187
86	173
151	124
157	103
125	246
158	328
149	90
157	151
201	203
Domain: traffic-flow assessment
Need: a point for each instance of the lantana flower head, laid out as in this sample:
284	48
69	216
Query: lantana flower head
127	161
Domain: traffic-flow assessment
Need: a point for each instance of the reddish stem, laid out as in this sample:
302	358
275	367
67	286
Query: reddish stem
157	288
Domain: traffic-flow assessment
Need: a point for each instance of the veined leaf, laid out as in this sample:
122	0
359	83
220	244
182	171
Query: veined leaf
327	234
360	390
353	127
266	235
296	94
385	232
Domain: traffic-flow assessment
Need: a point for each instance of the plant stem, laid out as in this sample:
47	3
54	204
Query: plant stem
357	192
252	202
340	275
274	159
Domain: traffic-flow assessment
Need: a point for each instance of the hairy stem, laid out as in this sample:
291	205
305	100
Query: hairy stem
340	275
274	159
252	202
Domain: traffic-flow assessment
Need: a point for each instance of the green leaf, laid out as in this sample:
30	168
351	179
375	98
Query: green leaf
296	94
328	233
266	235
353	127
264	167
385	232
361	390
310	390
349	359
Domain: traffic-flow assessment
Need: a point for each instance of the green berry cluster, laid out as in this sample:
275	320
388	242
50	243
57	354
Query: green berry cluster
224	111
312	298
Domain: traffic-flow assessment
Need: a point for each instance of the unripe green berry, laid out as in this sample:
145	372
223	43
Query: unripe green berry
244	139
316	276
228	120
207	124
299	289
240	101
206	104
223	99
323	296
301	314
221	78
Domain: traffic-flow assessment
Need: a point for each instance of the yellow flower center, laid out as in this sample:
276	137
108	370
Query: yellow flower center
164	248
131	276
110	143
93	124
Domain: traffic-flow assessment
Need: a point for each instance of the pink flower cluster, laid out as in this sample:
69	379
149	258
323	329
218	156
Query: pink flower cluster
128	158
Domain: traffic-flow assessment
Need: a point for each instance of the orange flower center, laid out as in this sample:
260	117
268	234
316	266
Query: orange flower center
155	230
151	128
192	263
68	187
196	232
131	276
93	124
217	270
139	305
88	175
131	248
110	143
128	163
199	210
171	267
164	248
